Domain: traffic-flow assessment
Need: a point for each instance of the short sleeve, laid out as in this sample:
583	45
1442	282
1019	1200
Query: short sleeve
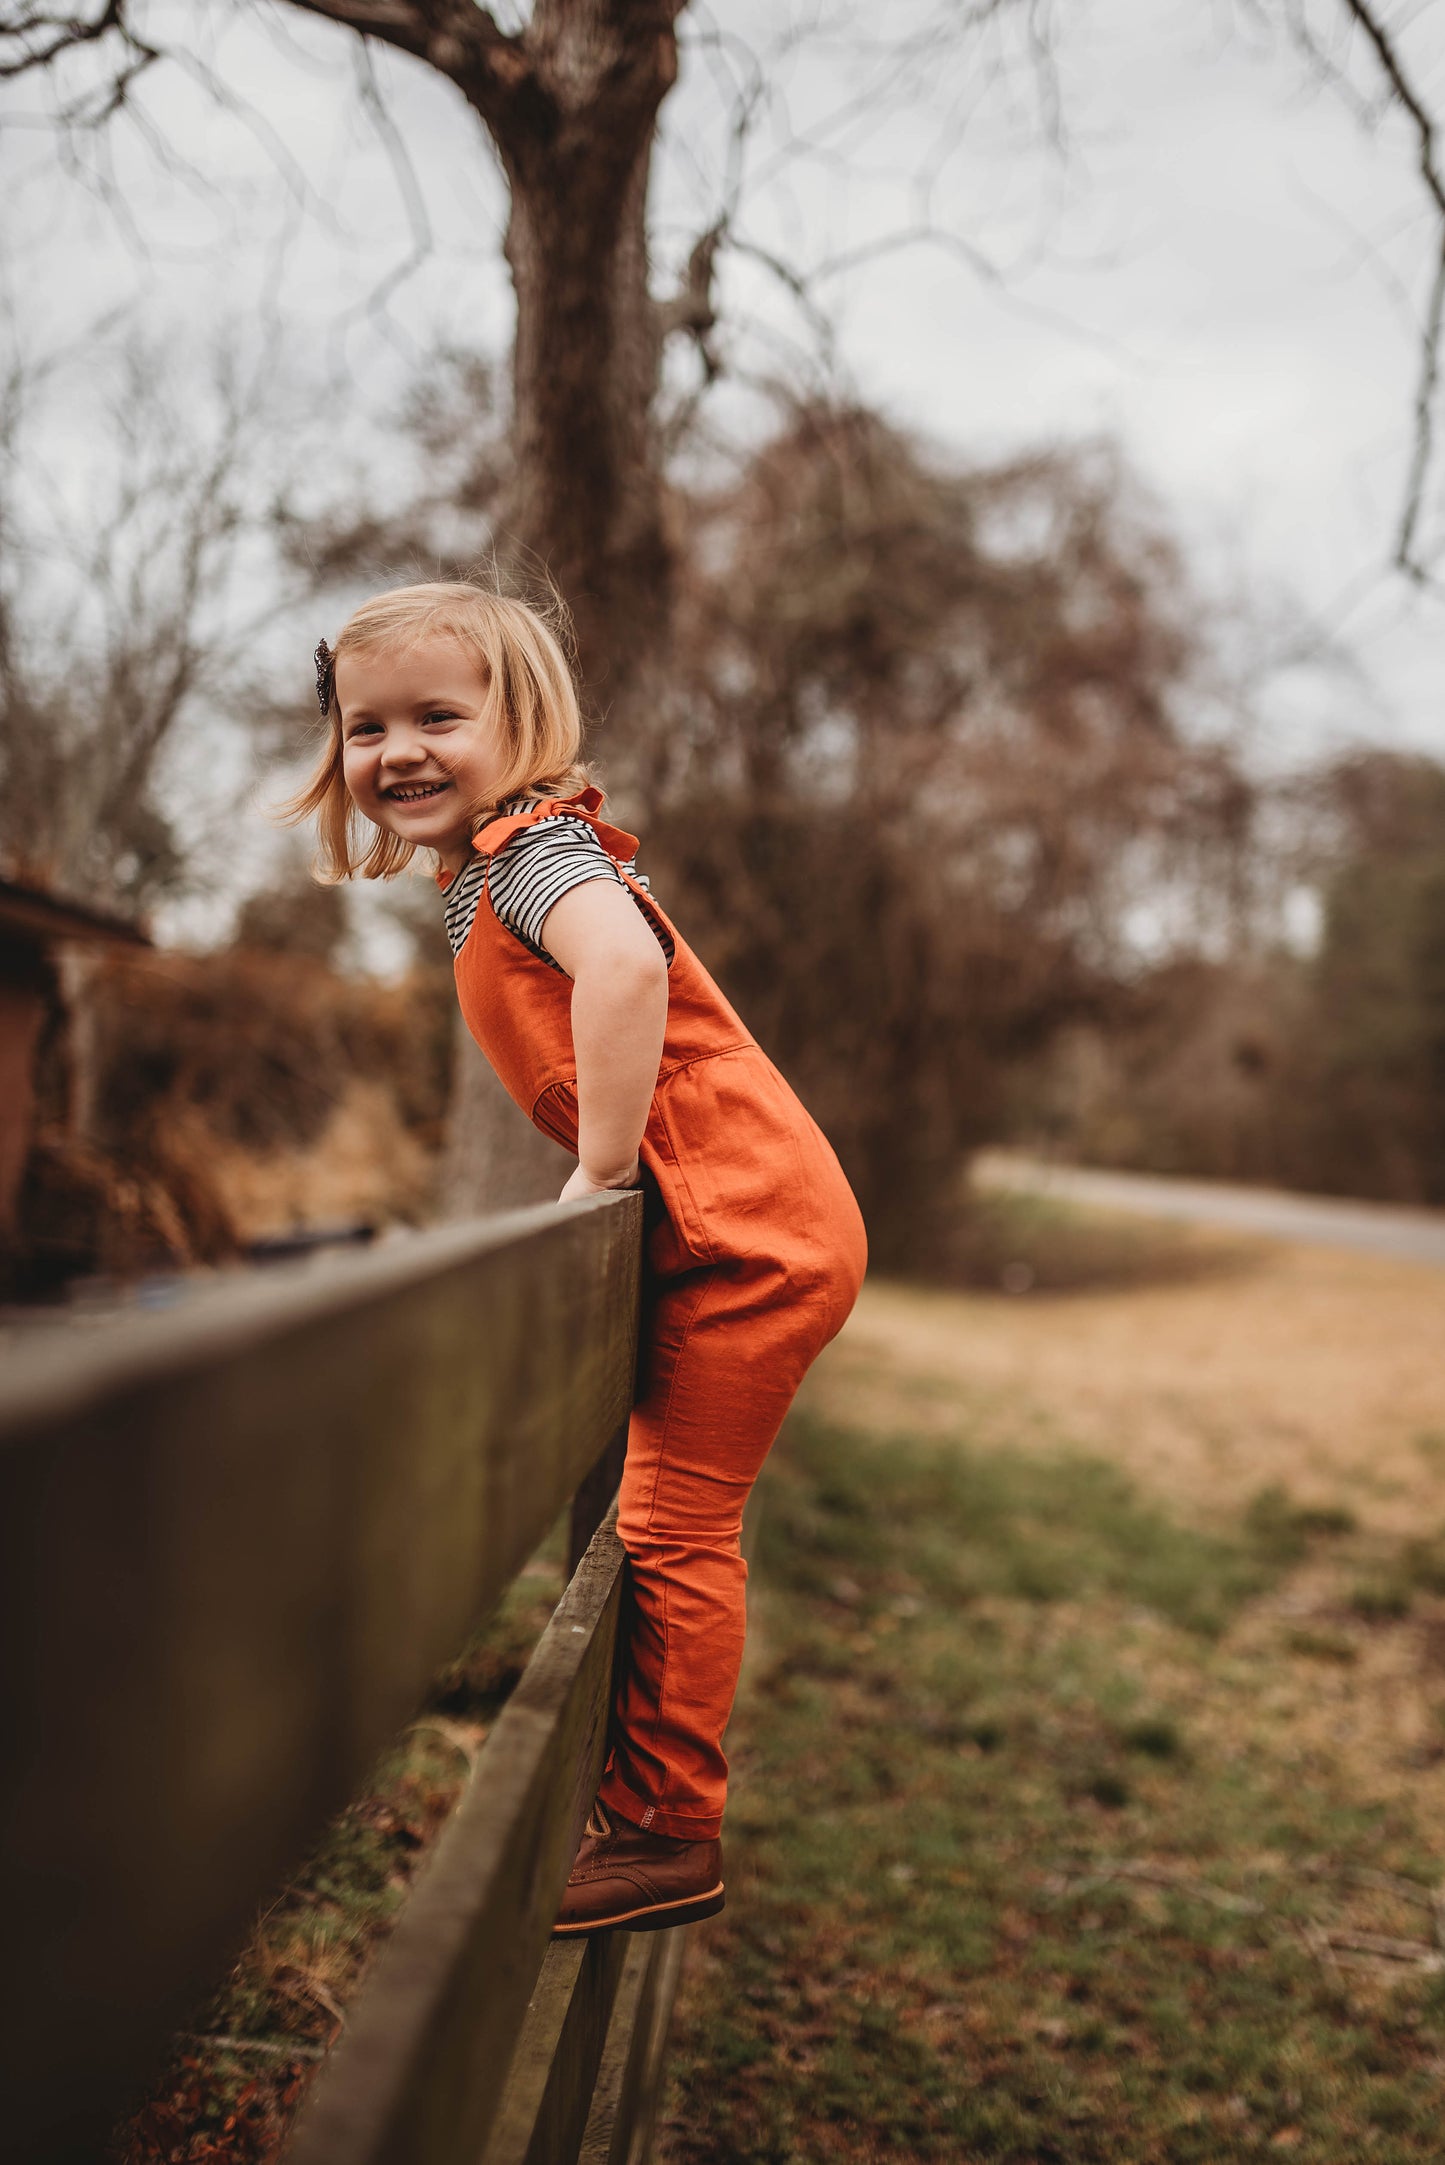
531	873
540	865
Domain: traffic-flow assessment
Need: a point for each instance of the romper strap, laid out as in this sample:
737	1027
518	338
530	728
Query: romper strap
494	837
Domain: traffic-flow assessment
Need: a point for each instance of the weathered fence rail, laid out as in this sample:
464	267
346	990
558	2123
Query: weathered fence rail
236	1543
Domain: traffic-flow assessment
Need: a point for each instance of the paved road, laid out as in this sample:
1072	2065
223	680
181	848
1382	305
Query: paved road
1416	1236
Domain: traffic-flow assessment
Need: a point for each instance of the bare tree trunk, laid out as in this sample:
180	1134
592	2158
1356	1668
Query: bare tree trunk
494	1159
574	126
586	494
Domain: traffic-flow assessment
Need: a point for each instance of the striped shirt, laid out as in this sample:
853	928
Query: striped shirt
530	874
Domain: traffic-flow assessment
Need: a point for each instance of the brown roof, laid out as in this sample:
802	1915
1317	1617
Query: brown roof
38	919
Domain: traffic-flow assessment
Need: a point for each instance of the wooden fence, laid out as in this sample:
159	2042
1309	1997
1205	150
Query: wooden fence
237	1541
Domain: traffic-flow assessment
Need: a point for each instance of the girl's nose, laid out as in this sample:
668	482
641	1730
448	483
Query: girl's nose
401	752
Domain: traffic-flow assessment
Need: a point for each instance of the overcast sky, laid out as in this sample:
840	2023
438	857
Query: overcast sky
1221	267
1224	270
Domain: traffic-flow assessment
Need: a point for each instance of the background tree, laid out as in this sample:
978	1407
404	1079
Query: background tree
1373	1057
117	630
936	757
1316	1064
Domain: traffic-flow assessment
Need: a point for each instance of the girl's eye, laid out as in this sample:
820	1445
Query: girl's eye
441	714
363	729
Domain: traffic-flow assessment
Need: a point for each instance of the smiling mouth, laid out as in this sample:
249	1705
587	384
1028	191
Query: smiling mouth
415	792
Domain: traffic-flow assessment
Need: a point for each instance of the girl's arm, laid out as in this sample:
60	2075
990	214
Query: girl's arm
619	1010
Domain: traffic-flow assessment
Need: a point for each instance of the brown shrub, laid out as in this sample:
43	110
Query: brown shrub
228	1095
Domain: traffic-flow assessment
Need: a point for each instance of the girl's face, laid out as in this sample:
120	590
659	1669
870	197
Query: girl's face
418	753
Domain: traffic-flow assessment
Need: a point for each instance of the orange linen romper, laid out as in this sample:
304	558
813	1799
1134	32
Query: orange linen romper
755	1261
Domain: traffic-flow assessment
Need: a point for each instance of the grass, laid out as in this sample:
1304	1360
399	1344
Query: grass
1025	1862
237	2078
1011	1241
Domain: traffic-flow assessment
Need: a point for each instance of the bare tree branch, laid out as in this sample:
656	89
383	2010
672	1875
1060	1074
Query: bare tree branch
447	34
1407	552
38	38
1401	94
691	308
408	181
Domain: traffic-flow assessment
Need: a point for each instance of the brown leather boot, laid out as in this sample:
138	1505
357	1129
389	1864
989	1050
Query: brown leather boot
629	1880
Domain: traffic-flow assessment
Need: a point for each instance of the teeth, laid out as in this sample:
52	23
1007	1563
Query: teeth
414	796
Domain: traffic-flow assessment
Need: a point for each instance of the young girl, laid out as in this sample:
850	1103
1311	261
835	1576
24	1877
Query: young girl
455	728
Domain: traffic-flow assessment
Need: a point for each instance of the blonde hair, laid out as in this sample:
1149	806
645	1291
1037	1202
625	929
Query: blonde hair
521	653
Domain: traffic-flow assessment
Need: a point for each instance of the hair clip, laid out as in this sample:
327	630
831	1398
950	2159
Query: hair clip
325	678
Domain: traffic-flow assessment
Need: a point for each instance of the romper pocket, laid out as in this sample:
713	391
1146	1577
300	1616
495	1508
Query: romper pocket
754	1176
681	1242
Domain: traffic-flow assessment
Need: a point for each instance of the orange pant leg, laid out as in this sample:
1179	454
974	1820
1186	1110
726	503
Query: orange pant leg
729	1345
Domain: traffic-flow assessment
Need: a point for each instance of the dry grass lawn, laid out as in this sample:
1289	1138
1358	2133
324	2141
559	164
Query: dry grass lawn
1089	1796
1315	1368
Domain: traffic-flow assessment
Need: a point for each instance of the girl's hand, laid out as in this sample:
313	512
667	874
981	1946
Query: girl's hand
582	1183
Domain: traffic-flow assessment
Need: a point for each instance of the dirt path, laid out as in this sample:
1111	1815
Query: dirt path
1311	1367
1416	1236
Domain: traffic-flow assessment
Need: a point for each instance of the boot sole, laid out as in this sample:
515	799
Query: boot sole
652	1917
